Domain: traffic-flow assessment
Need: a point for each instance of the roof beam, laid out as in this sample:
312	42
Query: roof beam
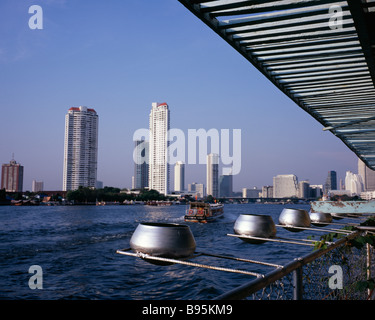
270	6
349	123
327	72
268	18
363	26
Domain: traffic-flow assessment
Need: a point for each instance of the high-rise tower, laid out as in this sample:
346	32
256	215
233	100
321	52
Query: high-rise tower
179	176
141	164
368	176
12	176
213	174
158	148
80	148
331	182
226	185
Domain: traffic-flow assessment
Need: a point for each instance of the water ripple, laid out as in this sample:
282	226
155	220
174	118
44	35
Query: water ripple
75	246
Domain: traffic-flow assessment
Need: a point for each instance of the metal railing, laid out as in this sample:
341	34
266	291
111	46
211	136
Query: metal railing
309	277
336	270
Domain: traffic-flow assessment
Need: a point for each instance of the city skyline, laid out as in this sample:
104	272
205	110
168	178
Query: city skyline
159	122
119	70
284	186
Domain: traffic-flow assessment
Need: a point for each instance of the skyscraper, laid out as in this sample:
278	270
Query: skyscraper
80	148
285	186
304	189
226	185
12	176
141	164
179	176
158	148
353	183
331	182
213	174
368	176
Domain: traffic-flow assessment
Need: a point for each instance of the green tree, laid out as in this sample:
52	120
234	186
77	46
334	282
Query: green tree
148	195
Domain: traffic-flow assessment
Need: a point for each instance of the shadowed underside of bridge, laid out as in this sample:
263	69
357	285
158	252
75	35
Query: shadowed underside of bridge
320	53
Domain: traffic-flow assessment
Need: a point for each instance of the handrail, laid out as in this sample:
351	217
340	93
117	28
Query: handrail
251	287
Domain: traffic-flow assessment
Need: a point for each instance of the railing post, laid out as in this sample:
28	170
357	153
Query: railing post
368	265
298	284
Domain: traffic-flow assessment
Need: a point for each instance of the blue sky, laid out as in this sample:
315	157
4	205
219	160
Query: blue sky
118	57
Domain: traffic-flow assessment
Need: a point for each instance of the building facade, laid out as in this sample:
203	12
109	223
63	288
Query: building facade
353	183
12	176
158	148
141	157
316	191
37	186
285	186
226	185
252	193
80	148
179	176
304	189
368	195
331	182
368	176
213	175
267	192
197	189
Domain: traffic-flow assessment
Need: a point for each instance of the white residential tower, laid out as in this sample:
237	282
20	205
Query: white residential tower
80	148
158	148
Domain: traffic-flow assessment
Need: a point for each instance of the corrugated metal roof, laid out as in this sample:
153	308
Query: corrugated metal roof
320	53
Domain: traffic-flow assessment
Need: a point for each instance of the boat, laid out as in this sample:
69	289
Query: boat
204	212
159	203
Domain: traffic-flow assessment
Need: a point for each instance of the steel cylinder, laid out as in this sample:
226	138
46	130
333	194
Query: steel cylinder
320	219
294	218
254	225
165	240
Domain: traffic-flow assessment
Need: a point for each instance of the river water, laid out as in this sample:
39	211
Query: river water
75	246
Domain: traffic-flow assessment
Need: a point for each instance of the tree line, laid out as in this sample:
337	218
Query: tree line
111	194
86	195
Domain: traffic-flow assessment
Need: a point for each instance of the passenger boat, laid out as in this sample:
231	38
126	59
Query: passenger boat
204	212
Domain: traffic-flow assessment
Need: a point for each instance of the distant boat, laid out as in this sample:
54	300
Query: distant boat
159	203
24	203
204	212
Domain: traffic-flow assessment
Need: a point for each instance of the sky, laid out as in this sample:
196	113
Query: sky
119	57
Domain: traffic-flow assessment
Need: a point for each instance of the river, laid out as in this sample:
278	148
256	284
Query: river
75	247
